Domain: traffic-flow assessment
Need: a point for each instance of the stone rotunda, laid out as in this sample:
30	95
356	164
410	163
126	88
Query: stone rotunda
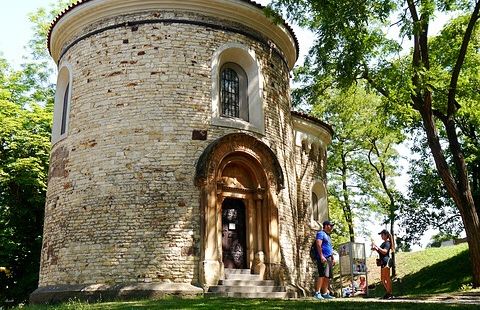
175	152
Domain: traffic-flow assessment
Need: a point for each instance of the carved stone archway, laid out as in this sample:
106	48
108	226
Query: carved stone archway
238	166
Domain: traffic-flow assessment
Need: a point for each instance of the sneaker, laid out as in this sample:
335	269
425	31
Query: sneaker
318	296
387	296
327	296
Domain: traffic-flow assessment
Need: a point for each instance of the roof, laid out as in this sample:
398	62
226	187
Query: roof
81	2
314	120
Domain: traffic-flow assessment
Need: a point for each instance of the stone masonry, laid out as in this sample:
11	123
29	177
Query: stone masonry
123	206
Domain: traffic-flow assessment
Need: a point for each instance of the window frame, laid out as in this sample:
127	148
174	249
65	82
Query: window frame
321	213
62	104
241	109
252	117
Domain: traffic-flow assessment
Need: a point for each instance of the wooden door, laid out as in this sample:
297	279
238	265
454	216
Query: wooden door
234	250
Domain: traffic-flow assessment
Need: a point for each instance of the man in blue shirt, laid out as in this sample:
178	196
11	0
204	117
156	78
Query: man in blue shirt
325	261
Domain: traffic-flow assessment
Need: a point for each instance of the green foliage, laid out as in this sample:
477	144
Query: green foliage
362	154
353	43
428	205
26	106
41	20
349	34
437	239
24	154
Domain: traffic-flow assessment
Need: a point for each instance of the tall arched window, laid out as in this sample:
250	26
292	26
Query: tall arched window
61	113
64	110
237	103
233	91
319	206
230	93
315	206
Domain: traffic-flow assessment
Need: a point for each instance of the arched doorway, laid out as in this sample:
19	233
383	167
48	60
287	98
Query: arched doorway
238	172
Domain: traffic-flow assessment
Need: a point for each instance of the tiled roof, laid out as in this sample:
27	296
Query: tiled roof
314	119
80	2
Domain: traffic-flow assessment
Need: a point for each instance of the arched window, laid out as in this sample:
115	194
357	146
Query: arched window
61	111
319	206
64	110
237	89
233	91
315	206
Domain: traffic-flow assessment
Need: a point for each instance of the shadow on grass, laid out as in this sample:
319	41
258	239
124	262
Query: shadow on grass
230	303
446	276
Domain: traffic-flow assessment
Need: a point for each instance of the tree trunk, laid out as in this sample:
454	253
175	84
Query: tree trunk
347	210
458	189
392	233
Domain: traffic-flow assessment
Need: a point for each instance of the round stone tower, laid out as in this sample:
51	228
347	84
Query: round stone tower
175	154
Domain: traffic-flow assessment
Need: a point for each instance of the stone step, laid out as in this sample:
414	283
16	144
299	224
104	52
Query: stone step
230	282
273	295
246	289
242	276
236	271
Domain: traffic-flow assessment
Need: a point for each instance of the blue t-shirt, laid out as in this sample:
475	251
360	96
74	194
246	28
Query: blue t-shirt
327	249
385	258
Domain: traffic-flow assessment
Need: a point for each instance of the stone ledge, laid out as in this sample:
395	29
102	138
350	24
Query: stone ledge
102	292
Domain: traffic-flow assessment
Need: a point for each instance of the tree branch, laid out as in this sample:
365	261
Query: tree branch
452	105
368	78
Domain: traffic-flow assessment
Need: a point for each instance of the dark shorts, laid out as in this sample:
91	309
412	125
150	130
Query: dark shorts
325	269
385	262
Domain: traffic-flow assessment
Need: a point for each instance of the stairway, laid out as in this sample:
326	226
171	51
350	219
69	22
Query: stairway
241	283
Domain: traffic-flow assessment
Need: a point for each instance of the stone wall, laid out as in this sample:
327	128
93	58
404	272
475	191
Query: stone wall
121	203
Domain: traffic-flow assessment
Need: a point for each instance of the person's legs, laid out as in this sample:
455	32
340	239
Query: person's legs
386	281
324	287
318	284
320	280
326	280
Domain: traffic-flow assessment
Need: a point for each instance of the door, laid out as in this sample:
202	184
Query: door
234	250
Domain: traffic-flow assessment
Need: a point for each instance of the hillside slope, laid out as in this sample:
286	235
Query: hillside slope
433	270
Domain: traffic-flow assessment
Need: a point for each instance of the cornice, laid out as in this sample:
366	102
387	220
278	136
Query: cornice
312	127
72	21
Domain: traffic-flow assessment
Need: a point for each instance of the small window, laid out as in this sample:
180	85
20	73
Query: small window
319	206
230	95
65	110
315	207
233	92
61	110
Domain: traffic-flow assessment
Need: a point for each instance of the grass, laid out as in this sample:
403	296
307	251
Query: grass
432	271
230	303
419	274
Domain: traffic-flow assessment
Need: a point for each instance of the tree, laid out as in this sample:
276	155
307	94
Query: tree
361	155
437	239
26	108
24	153
428	205
352	44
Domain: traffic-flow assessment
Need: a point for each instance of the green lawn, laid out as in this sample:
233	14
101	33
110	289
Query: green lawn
419	274
432	271
223	303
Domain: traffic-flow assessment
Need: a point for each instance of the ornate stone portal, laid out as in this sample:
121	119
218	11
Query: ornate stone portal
239	167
